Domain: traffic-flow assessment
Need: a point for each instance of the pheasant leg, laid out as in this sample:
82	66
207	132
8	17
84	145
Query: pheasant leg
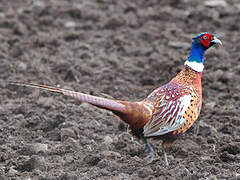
150	156
165	158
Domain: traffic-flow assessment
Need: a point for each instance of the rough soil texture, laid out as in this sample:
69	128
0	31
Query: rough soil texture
122	49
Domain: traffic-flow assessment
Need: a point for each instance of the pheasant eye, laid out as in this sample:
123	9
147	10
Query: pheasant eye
205	37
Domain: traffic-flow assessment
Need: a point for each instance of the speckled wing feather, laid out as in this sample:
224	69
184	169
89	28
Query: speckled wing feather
171	103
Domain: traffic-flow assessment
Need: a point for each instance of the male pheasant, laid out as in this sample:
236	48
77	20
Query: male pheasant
168	111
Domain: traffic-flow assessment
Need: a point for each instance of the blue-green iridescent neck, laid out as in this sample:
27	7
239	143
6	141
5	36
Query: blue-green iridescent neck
197	53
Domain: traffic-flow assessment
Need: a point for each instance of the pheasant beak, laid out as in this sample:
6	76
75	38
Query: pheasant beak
217	42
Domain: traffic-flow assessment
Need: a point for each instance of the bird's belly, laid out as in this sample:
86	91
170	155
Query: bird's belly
190	116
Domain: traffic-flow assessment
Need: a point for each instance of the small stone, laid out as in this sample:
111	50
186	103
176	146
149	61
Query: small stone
211	177
215	3
70	24
179	45
46	102
20	10
108	140
237	5
106	143
12	171
38	4
22	66
205	129
122	176
211	104
2	15
219	73
40	147
205	158
229	75
111	154
181	172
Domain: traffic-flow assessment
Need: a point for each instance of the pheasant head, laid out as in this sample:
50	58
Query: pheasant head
200	44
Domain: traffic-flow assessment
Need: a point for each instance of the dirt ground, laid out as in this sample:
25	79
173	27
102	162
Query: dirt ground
122	49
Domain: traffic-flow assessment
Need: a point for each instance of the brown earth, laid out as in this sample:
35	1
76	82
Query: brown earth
123	49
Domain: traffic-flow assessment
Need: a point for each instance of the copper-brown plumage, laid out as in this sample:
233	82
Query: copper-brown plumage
167	112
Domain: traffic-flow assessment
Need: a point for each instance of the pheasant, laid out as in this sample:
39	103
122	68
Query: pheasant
168	111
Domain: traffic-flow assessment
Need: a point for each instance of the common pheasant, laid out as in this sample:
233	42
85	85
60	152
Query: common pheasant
168	111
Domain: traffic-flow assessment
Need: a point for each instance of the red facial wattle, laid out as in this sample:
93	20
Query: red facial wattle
205	43
205	39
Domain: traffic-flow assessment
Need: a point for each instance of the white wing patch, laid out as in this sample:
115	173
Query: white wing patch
169	116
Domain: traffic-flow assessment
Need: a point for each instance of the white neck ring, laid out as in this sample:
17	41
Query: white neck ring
195	65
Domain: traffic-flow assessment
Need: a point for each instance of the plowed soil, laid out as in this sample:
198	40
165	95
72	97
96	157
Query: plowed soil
122	50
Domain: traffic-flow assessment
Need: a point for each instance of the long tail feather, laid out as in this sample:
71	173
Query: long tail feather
94	100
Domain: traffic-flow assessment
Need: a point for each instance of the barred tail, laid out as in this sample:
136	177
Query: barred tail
94	100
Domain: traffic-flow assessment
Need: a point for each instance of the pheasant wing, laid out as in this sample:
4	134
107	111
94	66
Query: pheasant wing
168	113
